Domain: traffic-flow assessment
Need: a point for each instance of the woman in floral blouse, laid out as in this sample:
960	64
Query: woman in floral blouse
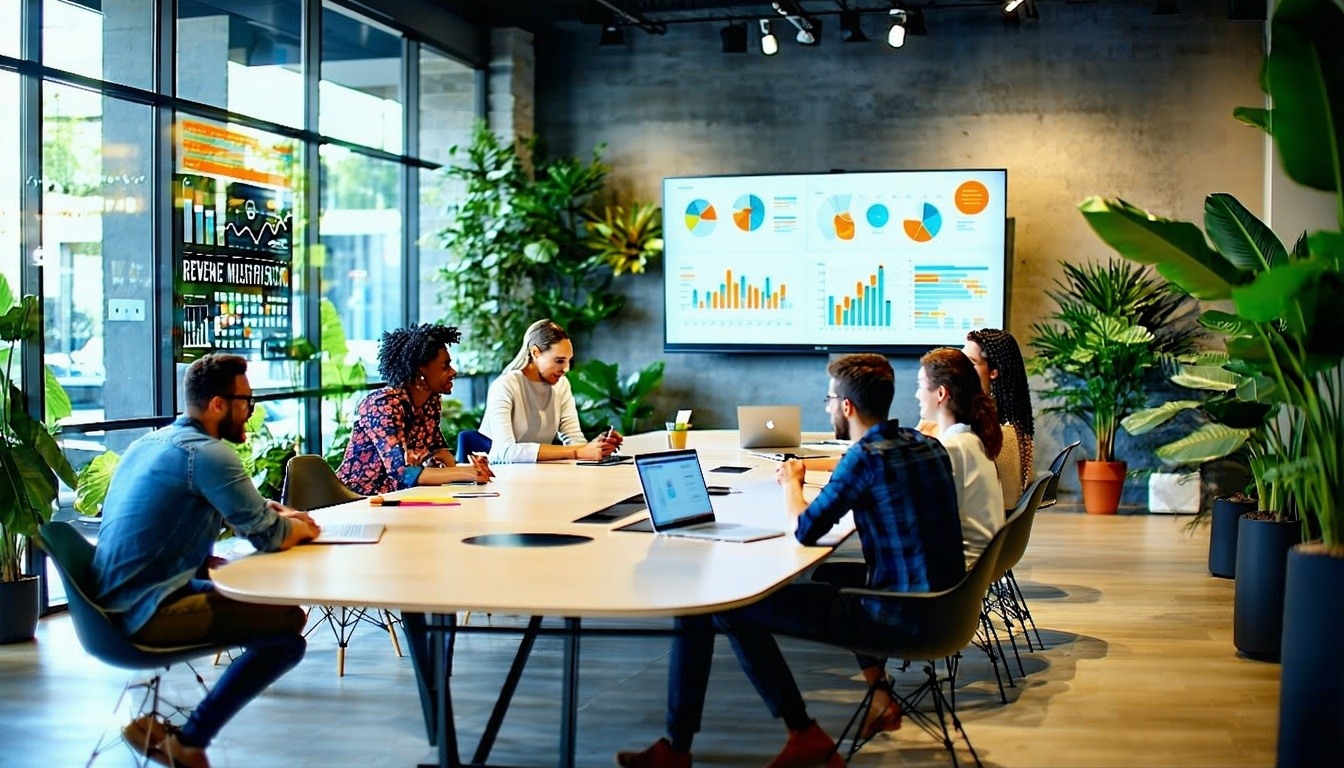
395	442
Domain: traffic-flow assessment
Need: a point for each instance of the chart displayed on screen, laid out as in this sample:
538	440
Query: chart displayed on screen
877	261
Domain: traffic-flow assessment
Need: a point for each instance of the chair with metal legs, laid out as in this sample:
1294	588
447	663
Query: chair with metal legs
1056	469
936	625
72	556
1002	599
310	484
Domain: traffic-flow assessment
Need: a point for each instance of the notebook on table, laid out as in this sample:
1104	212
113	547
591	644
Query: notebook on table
678	499
774	428
349	533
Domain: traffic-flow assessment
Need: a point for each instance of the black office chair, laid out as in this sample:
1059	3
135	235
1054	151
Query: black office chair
72	555
471	441
310	484
1003	599
1056	469
933	625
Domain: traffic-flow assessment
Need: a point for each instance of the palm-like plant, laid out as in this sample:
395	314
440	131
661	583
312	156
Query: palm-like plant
628	242
1114	324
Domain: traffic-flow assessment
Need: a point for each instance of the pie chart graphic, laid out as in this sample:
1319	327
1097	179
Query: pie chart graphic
878	215
926	228
748	213
701	218
835	219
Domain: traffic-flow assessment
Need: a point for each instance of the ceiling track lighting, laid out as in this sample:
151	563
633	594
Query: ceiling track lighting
809	28
611	35
769	43
1011	5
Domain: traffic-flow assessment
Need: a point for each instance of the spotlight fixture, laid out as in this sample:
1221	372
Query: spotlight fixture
734	38
1011	6
611	35
769	43
850	29
809	28
896	35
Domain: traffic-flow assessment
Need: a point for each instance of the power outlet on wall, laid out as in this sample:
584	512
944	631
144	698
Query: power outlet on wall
125	310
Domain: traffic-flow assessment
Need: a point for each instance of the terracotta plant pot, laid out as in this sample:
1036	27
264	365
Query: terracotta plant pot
1102	483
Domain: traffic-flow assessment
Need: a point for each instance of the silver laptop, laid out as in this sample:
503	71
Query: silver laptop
770	426
674	489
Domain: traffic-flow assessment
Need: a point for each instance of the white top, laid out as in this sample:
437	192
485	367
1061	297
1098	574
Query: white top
979	495
521	414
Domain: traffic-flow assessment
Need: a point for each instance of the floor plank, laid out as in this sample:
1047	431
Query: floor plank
1139	670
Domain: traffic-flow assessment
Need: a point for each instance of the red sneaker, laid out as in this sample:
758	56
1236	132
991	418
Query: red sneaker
807	748
660	755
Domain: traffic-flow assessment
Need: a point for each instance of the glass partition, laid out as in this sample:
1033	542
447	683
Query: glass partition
360	91
243	57
110	40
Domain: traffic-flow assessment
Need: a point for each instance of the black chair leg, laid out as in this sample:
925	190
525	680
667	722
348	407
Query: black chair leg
1025	612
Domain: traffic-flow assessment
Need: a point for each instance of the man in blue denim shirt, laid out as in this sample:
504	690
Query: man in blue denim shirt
899	485
173	491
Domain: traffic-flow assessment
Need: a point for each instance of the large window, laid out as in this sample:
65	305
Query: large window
244	57
447	112
98	251
360	93
104	39
9	28
10	244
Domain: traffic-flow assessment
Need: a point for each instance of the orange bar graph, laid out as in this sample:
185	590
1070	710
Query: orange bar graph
736	293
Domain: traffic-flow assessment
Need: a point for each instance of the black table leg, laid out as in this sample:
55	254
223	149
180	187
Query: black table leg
506	692
569	695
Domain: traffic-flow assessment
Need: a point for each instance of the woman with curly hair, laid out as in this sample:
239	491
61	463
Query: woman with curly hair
531	404
395	442
950	396
998	360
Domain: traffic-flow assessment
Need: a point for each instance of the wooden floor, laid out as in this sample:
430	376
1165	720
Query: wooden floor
1139	670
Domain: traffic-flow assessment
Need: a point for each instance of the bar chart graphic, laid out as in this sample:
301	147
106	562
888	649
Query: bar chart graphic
951	297
196	210
867	306
738	292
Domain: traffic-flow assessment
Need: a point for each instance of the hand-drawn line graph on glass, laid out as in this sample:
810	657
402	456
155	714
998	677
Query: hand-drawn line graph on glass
258	219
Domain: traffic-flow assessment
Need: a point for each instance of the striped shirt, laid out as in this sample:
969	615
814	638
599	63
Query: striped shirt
899	485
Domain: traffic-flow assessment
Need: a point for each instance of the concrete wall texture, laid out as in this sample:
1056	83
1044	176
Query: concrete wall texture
1090	99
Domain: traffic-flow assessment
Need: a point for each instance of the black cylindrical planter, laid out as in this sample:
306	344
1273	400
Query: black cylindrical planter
18	609
1262	563
1311	696
1223	527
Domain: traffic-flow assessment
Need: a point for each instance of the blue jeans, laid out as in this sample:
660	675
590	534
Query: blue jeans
271	636
811	610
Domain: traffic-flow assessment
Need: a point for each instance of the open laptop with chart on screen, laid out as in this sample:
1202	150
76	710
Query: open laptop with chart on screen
678	499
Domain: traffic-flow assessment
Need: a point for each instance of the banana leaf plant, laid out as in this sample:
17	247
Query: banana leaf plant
30	459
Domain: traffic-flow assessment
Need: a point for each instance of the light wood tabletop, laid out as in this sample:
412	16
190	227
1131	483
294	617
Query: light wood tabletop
424	564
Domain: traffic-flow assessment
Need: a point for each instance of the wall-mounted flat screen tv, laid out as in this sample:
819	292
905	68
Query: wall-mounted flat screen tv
895	261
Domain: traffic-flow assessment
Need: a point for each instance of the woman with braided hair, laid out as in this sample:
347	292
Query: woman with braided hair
395	442
998	360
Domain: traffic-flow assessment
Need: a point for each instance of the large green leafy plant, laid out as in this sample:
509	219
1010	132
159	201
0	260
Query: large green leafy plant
1285	331
525	242
1113	326
30	459
604	398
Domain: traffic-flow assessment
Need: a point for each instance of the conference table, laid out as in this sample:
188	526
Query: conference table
523	553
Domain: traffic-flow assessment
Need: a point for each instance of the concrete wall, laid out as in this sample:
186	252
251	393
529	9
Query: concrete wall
1091	99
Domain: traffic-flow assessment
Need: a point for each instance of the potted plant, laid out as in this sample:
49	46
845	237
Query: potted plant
1227	427
1286	335
30	463
1112	325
